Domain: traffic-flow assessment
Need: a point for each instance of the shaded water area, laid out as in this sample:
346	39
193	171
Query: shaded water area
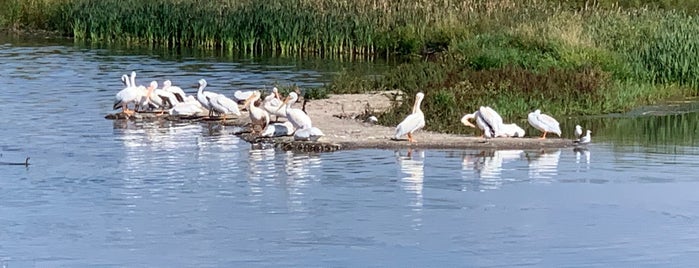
103	193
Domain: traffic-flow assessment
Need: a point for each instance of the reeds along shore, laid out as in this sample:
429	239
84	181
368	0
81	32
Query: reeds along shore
566	57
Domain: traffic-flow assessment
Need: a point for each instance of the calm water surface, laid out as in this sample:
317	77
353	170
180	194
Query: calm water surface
103	193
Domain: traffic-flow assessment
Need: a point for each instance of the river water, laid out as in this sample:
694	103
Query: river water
102	193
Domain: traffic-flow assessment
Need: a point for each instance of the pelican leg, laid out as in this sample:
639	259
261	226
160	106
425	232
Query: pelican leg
128	113
543	137
224	118
410	137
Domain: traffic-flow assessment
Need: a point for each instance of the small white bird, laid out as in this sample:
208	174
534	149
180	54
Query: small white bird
585	139
578	131
544	123
412	122
372	119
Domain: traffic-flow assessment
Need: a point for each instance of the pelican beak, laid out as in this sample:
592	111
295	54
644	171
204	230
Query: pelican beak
245	104
286	100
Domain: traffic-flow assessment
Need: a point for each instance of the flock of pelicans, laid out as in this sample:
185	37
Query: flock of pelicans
490	122
176	102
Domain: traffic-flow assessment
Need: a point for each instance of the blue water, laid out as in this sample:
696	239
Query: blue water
103	193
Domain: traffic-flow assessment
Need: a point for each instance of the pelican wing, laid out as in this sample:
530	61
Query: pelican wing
410	124
242	95
274	106
483	125
492	118
550	124
226	105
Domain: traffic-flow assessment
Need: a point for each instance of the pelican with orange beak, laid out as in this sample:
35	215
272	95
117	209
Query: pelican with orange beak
259	117
297	117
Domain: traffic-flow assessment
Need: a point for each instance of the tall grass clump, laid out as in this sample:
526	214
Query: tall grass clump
559	63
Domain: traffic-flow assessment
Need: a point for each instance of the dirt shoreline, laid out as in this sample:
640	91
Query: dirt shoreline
357	134
337	116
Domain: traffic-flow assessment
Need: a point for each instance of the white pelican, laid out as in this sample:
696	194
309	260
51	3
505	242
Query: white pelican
273	104
259	117
223	105
190	106
125	80
585	139
177	91
278	130
128	95
163	98
241	95
511	130
204	96
308	134
297	117
412	122
487	120
578	131
544	123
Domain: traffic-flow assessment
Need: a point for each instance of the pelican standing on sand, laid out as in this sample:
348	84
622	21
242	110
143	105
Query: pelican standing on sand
487	120
544	123
297	117
129	94
412	122
204	96
259	117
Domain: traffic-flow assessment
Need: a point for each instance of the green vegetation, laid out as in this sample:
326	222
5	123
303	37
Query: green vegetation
564	57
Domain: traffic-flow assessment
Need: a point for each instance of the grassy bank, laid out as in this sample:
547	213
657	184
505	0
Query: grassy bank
564	57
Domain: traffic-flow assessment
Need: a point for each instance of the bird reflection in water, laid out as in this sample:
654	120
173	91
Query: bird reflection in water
489	166
298	170
261	169
412	164
543	164
581	152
